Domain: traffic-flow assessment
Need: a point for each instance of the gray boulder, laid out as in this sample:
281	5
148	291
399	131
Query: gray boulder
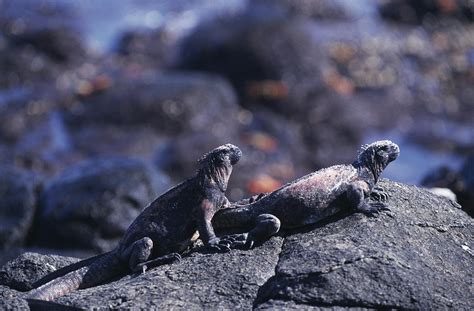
22	272
90	205
11	299
272	60
416	256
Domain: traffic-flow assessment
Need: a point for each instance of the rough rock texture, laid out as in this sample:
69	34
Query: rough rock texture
418	256
22	272
17	205
90	205
10	299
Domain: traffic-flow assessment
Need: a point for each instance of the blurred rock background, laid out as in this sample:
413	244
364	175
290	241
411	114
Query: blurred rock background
105	105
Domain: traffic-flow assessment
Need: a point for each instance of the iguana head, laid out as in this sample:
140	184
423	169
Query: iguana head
217	164
376	156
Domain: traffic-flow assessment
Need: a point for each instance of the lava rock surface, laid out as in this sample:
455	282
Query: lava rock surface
348	262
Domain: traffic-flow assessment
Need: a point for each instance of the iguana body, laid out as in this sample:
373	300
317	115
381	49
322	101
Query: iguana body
162	231
311	198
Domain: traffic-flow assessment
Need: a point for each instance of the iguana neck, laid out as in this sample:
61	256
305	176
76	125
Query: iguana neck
214	178
368	173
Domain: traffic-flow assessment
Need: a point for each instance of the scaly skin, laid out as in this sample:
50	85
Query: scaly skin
311	198
164	229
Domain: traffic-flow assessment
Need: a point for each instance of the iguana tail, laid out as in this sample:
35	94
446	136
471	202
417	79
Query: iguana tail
65	270
103	269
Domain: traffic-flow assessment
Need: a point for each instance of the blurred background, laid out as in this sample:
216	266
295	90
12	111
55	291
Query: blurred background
106	104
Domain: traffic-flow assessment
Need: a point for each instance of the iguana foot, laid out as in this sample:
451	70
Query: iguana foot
215	244
372	209
240	240
166	259
379	194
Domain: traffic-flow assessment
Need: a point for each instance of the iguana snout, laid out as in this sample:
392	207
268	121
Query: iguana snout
387	150
227	153
234	153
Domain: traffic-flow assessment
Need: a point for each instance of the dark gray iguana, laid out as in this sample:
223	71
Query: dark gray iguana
162	231
311	198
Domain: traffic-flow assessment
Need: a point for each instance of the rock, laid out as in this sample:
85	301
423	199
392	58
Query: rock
22	272
21	109
46	27
287	72
168	102
91	204
444	192
331	140
149	49
135	141
47	148
11	300
272	60
417	11
33	130
17	205
467	175
39	44
317	9
416	256
461	183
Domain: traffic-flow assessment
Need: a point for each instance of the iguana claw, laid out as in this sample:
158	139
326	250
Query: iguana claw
218	245
373	209
240	240
379	194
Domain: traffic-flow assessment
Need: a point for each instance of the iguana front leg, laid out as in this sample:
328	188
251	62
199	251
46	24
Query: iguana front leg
357	198
266	225
205	228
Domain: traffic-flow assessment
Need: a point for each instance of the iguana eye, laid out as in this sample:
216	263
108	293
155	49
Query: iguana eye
382	153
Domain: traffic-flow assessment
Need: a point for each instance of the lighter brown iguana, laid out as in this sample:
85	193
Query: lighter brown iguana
162	231
311	198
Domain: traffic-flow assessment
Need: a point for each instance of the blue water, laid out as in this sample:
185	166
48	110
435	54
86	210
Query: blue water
414	162
102	21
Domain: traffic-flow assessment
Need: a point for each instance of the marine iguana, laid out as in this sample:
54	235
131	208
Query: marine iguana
311	198
163	230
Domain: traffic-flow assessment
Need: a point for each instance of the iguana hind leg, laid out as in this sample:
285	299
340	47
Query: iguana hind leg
138	255
266	225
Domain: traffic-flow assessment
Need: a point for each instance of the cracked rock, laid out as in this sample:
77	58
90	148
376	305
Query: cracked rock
383	262
398	260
